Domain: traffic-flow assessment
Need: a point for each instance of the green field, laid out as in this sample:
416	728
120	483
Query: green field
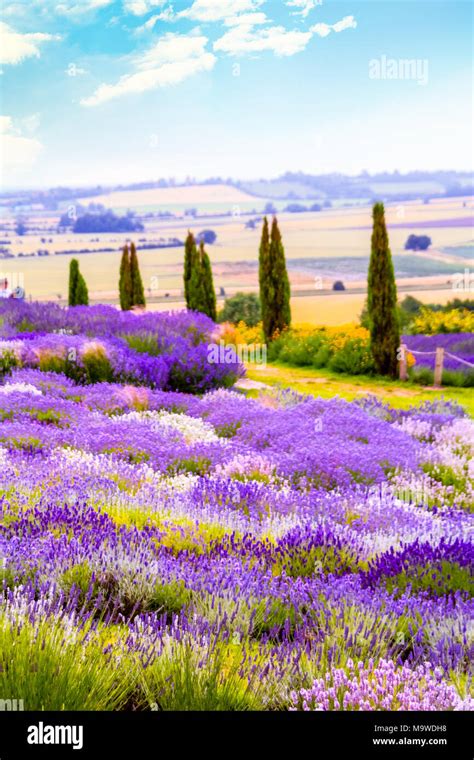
326	384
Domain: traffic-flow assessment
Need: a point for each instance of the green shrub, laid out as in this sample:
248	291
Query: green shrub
437	579
187	676
354	358
54	666
143	343
7	362
169	598
243	307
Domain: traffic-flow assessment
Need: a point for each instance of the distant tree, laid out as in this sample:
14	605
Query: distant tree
73	280
198	281
78	294
20	227
382	299
338	285
82	294
295	208
207	236
315	207
270	208
190	255
207	283
417	243
125	281
411	305
243	307
460	303
106	222
138	295
197	300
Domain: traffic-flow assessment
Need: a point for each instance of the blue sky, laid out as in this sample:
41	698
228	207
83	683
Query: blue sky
109	91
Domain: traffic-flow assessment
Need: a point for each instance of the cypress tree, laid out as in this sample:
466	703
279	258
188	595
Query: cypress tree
209	293
82	294
125	281
138	295
274	282
265	279
189	251
382	299
198	281
73	278
281	312
197	296
78	294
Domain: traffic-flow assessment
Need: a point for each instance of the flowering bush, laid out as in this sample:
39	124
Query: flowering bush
433	322
99	343
381	687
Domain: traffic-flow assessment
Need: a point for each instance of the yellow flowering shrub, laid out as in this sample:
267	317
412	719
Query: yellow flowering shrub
429	322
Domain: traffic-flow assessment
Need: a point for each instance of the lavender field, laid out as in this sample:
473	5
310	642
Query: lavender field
458	347
168	543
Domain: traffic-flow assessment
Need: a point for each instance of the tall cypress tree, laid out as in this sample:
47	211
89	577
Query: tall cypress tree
78	294
73	279
209	293
281	311
125	280
82	294
274	282
265	279
189	251
382	299
138	295
198	281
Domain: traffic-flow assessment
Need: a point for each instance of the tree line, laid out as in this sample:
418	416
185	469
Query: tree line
274	287
131	292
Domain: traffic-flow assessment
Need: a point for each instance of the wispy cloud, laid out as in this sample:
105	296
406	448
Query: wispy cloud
141	7
15	47
305	6
218	10
77	7
246	19
244	39
348	22
17	151
71	8
174	58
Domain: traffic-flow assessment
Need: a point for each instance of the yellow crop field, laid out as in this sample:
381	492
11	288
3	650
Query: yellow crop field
169	196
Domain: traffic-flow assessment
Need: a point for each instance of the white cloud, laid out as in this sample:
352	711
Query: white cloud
72	8
175	57
244	39
306	6
16	151
79	7
348	22
246	19
218	10
148	25
141	7
15	47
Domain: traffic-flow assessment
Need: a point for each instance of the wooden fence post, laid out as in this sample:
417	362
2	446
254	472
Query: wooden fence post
403	362
438	372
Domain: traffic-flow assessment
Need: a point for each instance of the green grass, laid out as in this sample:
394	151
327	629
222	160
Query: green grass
327	384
